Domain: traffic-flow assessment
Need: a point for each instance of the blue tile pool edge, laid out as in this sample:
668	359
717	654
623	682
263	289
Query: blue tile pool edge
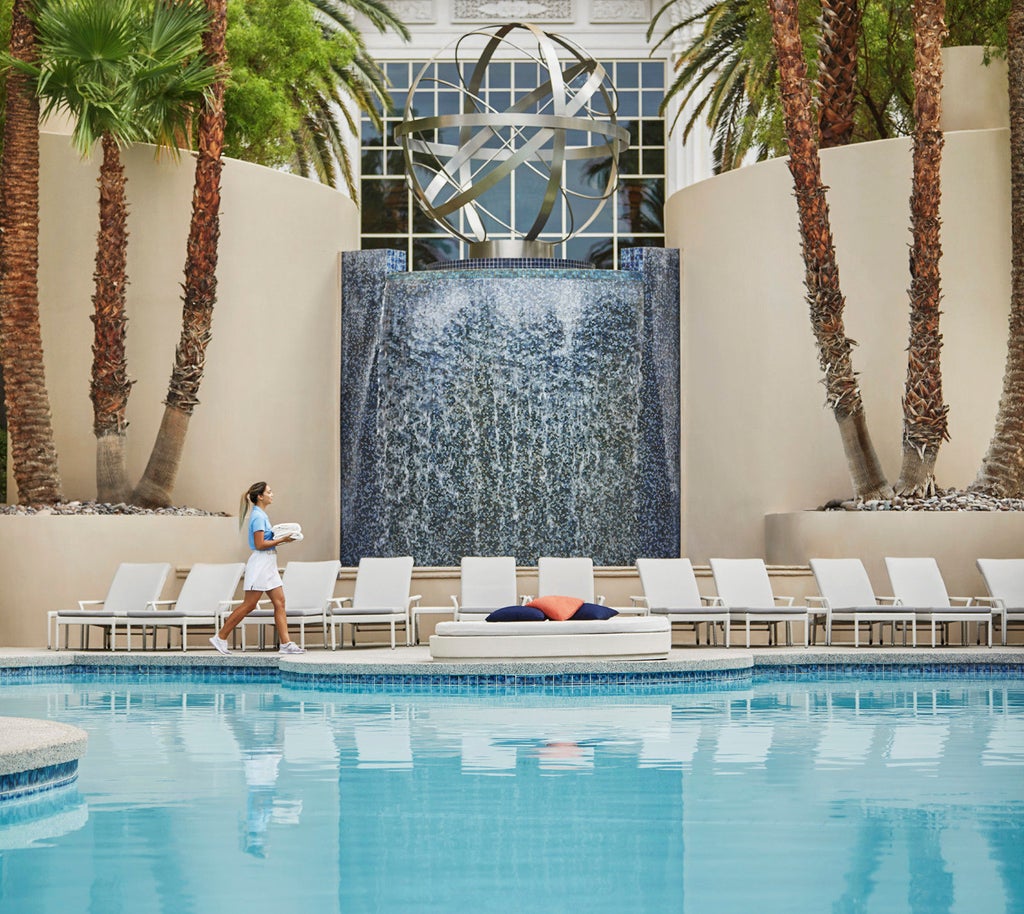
421	679
19	785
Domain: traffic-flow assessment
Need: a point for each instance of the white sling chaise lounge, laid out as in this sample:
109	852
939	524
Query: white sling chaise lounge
567	577
381	595
207	593
670	590
308	592
1004	579
134	587
917	582
744	586
486	583
847	596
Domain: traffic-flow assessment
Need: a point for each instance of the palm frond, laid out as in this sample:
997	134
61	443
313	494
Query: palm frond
376	11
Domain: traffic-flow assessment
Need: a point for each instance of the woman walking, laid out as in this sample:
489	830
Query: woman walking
261	576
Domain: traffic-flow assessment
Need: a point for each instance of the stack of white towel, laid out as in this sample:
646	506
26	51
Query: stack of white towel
292	530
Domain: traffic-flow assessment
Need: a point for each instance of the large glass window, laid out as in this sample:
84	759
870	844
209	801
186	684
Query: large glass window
632	218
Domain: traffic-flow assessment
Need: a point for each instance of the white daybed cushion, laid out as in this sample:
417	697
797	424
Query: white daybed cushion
631	638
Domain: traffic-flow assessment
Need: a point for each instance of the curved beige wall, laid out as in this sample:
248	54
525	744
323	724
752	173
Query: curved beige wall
756	437
269	399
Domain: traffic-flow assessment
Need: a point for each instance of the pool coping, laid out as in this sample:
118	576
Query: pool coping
416	662
37	756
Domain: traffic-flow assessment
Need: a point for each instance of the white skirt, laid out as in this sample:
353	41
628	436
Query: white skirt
261	571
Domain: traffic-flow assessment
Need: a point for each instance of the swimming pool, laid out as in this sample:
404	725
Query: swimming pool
765	795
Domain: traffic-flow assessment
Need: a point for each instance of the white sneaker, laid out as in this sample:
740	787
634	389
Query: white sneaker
220	644
290	647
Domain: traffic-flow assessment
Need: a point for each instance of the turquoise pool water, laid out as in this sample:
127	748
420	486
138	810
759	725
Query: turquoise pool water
766	796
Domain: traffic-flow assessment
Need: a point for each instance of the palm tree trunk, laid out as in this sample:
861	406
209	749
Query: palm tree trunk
33	453
110	385
924	413
157	483
824	295
1002	470
837	70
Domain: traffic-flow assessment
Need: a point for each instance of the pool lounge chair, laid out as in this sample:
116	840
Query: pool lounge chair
917	582
847	597
567	577
670	590
486	583
381	595
745	588
134	587
1004	579
308	592
207	592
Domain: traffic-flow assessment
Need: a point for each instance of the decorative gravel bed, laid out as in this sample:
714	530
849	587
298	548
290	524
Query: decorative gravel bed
950	500
92	507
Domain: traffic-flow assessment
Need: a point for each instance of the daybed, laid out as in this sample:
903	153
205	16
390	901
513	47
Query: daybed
631	638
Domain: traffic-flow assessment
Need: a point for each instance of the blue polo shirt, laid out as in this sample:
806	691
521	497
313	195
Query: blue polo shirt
259	521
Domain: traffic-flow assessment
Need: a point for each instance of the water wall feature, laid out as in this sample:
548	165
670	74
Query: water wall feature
503	411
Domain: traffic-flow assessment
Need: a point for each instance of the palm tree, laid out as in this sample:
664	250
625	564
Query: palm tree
320	141
29	424
837	70
924	413
1002	470
157	482
732	90
125	71
821	269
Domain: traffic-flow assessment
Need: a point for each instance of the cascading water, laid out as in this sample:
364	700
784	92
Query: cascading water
504	412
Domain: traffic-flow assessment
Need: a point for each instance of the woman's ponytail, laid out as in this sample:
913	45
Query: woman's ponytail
248	499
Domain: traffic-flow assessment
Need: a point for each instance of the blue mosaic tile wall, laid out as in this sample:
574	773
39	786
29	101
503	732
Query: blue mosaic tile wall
658	496
511	263
20	784
510	411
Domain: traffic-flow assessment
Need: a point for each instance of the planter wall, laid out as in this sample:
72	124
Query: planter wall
955	539
269	399
52	561
756	437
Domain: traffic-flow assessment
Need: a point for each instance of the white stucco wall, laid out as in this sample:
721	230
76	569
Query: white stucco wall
269	398
756	438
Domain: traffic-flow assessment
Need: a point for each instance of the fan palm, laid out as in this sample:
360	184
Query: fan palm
327	118
924	413
200	286
125	71
33	453
821	269
732	89
1002	470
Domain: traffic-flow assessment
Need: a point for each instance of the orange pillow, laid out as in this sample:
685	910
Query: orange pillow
557	608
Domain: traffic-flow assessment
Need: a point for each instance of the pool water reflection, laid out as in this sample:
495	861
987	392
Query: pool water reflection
778	796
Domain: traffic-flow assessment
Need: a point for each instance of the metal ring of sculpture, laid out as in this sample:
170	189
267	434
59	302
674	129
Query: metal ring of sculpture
449	178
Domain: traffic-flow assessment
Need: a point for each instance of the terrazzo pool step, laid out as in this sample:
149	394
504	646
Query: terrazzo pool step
37	755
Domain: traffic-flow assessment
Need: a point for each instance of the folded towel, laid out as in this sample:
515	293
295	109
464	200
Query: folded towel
292	530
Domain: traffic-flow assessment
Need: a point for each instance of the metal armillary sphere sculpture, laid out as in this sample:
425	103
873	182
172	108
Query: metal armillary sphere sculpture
454	161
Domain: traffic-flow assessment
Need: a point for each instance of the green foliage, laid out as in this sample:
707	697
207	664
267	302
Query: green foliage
298	68
728	69
279	58
130	69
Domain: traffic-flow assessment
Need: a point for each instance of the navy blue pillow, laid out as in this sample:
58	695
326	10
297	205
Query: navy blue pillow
517	614
589	612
